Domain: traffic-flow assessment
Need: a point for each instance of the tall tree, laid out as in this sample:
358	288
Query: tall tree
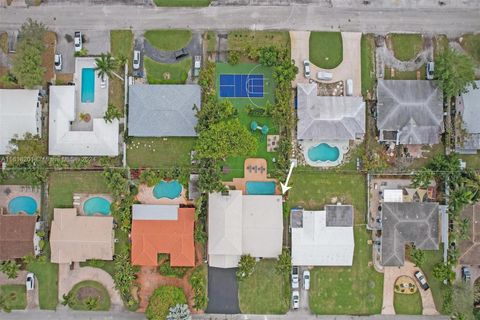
454	72
106	66
10	268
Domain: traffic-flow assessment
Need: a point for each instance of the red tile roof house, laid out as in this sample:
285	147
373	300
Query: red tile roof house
16	236
163	229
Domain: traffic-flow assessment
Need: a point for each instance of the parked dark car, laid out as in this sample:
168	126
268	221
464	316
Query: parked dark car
466	274
421	280
180	53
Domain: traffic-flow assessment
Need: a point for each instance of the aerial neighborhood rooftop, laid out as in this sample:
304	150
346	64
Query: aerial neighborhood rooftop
198	173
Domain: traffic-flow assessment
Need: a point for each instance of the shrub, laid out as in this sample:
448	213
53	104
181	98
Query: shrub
162	300
233	57
198	282
246	266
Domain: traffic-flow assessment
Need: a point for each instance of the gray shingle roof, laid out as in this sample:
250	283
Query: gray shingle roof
163	110
339	216
408	222
328	117
414	108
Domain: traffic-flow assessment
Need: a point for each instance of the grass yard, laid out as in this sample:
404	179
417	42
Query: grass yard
472	160
408	303
169	152
169	40
4	42
16	295
471	44
405	46
265	291
164	73
211	38
405	75
441	44
326	49
340	290
235	165
368	64
430	153
182	3
47	276
242	39
121	45
432	257
85	290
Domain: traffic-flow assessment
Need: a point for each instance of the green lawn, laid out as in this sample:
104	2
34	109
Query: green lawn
97	291
441	44
242	39
121	45
16	295
472	160
340	290
47	276
166	73
265	291
211	38
326	49
429	154
235	165
407	303
471	44
368	64
169	152
4	42
432	257
405	75
169	40
406	46
182	3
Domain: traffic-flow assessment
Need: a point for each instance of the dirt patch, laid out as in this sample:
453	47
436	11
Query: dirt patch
87	292
166	75
63	78
330	89
50	42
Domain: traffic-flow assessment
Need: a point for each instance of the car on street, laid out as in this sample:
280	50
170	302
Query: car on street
306	279
430	70
136	59
180	53
306	68
421	280
57	61
295	299
30	282
78	41
295	277
466	274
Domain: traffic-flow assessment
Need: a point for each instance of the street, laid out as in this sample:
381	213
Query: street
452	22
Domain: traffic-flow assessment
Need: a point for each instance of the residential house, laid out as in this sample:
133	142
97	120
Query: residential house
20	113
468	109
17	234
323	238
470	247
409	112
163	110
166	229
243	224
76	238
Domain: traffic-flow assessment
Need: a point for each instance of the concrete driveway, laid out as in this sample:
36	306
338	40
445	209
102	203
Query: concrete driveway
390	275
222	291
299	42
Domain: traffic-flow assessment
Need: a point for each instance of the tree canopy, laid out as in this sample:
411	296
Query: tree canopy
454	72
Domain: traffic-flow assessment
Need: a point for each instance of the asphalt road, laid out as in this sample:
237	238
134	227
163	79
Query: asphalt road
452	22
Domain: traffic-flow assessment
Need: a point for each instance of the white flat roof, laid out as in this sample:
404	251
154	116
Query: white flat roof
393	195
19	114
154	212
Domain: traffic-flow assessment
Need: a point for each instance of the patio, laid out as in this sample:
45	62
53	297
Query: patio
254	169
9	192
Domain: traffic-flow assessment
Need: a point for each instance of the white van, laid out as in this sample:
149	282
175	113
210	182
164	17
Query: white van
349	87
326	76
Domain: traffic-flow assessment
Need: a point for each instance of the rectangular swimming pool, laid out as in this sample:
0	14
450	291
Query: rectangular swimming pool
260	187
88	85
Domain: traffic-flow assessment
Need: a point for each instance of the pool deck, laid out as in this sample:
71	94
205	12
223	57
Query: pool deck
343	148
252	175
79	200
8	192
145	196
99	106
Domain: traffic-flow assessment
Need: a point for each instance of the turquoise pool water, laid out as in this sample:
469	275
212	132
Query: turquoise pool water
170	190
260	187
96	205
323	152
88	85
22	204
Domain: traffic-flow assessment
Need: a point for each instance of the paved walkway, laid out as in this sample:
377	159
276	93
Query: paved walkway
390	275
68	278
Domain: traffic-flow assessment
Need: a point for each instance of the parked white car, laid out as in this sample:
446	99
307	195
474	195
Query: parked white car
295	300
430	70
295	277
306	279
77	41
57	62
136	59
30	282
326	76
306	68
349	87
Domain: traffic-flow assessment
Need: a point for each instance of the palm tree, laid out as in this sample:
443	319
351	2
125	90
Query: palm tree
10	268
105	66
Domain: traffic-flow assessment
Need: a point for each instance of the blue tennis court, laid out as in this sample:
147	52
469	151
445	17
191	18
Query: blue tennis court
241	85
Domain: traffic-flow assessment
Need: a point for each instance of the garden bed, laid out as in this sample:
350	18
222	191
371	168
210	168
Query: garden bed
89	295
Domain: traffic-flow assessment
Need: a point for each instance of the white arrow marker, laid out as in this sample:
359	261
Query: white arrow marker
285	186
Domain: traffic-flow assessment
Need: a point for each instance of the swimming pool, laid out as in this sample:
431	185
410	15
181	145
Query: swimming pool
22	204
323	153
96	205
88	85
170	190
260	187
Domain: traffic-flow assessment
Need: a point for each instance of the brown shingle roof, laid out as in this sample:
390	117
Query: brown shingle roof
470	248
16	236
